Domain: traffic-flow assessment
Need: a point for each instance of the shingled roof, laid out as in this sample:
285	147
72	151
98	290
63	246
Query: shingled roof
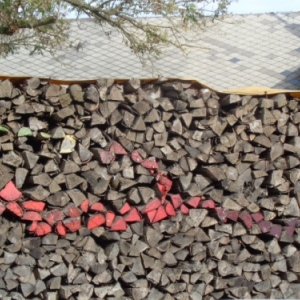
244	50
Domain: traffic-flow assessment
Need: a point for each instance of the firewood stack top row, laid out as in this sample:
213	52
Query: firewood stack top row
160	190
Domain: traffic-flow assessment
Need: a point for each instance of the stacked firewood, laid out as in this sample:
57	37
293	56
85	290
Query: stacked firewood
147	190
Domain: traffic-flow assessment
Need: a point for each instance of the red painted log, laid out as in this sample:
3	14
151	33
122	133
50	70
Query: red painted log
163	191
208	204
95	221
42	229
124	209
72	224
160	214
60	229
133	216
164	180
32	227
31	216
118	224
194	202
151	205
97	207
164	185
184	209
176	200
170	210
150	215
109	218
15	208
84	206
10	192
34	205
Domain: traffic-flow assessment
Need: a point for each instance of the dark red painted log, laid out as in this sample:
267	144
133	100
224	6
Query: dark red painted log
95	221
150	163
246	219
136	157
106	157
15	208
160	214
84	206
265	226
109	218
97	207
31	216
34	205
232	215
10	192
176	200
257	217
42	228
184	209
292	223
133	216
60	229
194	202
118	224
72	224
222	214
276	231
290	230
117	148
208	204
53	216
152	205
170	210
125	209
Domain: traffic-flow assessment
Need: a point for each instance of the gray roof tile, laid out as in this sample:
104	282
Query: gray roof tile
242	51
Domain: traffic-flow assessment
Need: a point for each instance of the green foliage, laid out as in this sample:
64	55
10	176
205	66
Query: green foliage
41	25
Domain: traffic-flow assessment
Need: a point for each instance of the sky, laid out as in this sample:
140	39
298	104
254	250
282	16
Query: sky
263	6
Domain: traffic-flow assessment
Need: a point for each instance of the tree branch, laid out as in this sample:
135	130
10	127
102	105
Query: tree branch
48	21
23	24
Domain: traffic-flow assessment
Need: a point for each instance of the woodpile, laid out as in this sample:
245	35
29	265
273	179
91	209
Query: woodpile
158	190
